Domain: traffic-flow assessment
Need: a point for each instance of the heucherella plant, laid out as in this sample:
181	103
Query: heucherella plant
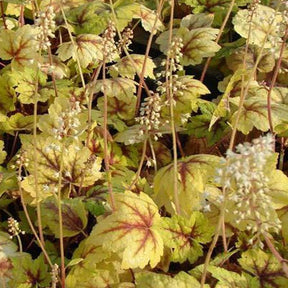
121	123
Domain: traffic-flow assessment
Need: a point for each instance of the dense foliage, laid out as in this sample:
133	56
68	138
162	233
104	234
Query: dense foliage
143	143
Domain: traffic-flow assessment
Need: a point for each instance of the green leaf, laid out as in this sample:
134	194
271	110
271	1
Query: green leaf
147	279
132	65
254	114
74	216
278	188
33	273
198	44
87	48
74	262
193	173
8	181
117	108
235	60
229	279
94	207
25	85
283	216
132	231
121	88
223	107
125	11
19	46
264	266
18	122
89	18
149	19
8	249
259	26
199	125
65	119
193	21
3	153
186	97
80	168
185	236
8	95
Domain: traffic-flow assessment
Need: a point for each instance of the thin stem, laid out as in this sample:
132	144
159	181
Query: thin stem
273	81
218	38
21	16
74	45
126	51
29	220
282	154
148	47
106	152
19	243
153	154
61	237
35	172
140	164
169	92
281	260
214	241
95	76
52	74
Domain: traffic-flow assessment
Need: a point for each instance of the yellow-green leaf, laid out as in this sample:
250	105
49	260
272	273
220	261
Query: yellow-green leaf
184	236
181	280
149	19
88	49
19	46
74	216
132	65
80	168
125	11
121	88
259	26
193	173
132	231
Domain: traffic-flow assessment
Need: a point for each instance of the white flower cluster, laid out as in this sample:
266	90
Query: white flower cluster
13	227
109	47
242	176
150	115
54	275
126	40
174	56
68	122
45	21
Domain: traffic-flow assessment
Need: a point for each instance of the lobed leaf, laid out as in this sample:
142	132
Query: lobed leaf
131	66
259	26
125	11
132	231
88	49
149	19
264	266
181	280
198	44
193	173
79	168
19	46
185	236
74	216
121	88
